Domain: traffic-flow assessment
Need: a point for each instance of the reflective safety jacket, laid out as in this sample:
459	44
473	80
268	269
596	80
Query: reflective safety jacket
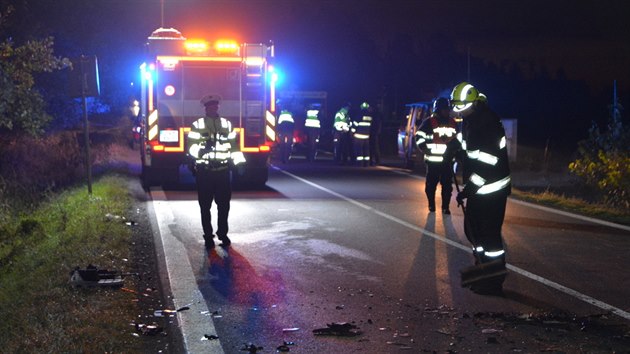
361	130
212	143
312	121
342	121
286	123
437	139
285	117
486	167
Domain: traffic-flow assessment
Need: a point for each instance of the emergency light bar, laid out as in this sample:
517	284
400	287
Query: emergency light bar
196	47
227	47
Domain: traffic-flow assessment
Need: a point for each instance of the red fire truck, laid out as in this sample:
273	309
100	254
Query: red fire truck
177	74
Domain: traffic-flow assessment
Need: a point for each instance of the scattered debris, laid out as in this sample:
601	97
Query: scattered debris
491	331
251	348
118	218
340	329
149	329
292	329
285	347
92	276
210	337
399	345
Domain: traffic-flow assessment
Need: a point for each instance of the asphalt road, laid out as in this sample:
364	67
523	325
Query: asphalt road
328	244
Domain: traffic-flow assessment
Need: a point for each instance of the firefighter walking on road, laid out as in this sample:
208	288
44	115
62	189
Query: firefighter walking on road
312	127
437	139
213	146
361	136
286	125
342	139
487	185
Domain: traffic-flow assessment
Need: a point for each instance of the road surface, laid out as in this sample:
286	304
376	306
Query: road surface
329	244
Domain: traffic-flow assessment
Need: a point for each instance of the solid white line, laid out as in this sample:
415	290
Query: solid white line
194	324
547	282
531	205
571	215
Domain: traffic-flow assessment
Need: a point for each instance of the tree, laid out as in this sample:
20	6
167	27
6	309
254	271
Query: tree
22	108
604	160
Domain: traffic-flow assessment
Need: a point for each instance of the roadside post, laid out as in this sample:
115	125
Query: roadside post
83	82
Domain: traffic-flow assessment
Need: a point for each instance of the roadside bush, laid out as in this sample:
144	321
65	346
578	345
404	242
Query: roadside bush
32	166
604	162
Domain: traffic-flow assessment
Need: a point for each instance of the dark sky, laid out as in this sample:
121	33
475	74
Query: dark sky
589	40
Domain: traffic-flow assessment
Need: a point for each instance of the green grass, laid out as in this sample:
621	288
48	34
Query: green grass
40	310
575	205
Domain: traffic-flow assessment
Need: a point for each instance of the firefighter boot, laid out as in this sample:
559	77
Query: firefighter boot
225	241
431	204
209	241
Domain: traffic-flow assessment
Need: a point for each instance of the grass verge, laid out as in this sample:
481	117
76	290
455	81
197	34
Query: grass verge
41	312
574	205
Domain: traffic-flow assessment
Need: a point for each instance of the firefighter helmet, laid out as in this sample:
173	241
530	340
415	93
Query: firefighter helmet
441	103
464	95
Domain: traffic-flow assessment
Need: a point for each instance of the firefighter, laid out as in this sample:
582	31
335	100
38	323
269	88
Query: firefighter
286	124
312	127
487	185
213	146
342	138
361	136
437	139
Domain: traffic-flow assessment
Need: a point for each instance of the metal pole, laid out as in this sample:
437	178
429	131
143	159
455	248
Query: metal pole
162	13
86	126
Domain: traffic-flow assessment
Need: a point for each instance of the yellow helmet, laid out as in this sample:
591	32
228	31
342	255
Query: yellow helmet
464	95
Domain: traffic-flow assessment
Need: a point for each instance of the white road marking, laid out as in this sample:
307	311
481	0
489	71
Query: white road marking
531	205
547	282
194	323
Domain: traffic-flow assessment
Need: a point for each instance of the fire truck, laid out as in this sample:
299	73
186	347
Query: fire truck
177	73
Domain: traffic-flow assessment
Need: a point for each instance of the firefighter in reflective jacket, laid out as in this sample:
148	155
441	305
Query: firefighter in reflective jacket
286	125
312	127
342	138
487	181
361	136
437	139
212	145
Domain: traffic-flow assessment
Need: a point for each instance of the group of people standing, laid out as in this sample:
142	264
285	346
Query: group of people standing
357	140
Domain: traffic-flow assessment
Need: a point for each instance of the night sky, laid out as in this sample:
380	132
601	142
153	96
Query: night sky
403	50
590	40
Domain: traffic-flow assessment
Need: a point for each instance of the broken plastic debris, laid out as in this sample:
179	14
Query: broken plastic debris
292	329
148	329
210	337
341	329
92	276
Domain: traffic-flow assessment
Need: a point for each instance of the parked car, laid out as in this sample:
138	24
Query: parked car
407	150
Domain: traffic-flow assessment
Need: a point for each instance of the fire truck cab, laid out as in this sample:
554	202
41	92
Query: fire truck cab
177	73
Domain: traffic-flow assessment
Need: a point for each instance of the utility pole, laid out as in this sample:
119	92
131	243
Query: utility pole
162	13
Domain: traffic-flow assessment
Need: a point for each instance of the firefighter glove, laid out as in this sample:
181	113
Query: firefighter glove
460	197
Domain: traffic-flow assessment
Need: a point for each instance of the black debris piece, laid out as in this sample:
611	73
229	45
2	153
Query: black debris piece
340	329
92	276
